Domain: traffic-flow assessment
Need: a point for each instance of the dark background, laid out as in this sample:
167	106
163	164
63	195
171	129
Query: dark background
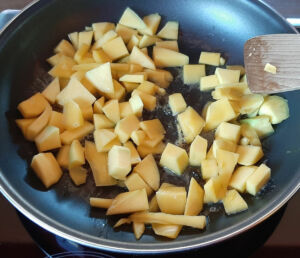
286	237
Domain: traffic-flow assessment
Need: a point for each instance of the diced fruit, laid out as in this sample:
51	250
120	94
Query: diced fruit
258	179
135	182
169	31
204	110
276	108
153	205
152	22
232	91
248	132
148	87
177	103
222	61
249	154
102	122
136	105
86	109
170	231
148	171
145	150
108	36
122	221
48	139
111	110
126	126
209	58
237	67
135	78
69	135
38	124
129	202
270	68
209	82
149	101
105	139
228	131
78	175
98	163
261	124
101	78
24	123
100	56
171	199
100	202
101	28
72	115
138	57
125	32
119	91
138	136
153	128
209	168
85	37
191	124
250	103
226	76
160	77
125	109
168	58
240	176
227	161
134	41
223	145
119	162
218	112
81	52
234	203
174	158
197	151
115	48
46	168
51	91
131	19
147	41
98	105
192	73
63	68
76	155
65	48
169	219
194	202
74	90
138	229
169	44
33	106
63	156
215	188
135	157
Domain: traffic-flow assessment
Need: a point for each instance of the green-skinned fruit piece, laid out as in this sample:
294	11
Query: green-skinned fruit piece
261	124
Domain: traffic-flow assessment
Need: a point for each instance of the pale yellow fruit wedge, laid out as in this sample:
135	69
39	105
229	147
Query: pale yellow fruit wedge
152	22
160	77
153	128
72	115
169	31
138	229
234	203
249	155
105	139
111	110
125	32
168	58
102	122
51	91
98	163
119	162
148	171
210	58
258	179
149	101
209	82
197	152
194	202
177	103
138	57
65	47
62	156
170	231
223	145
153	205
135	182
126	126
100	202
125	109
240	176
226	160
56	119
135	157
98	105
69	135
24	123
48	139
192	73
130	19
76	155
46	168
33	106
85	37
169	44
146	150
101	28
129	202
226	76
228	131
209	168
78	175
115	48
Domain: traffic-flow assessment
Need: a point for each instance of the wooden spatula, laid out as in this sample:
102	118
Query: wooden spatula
280	50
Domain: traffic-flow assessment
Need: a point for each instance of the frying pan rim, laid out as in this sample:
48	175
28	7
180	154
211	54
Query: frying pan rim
59	229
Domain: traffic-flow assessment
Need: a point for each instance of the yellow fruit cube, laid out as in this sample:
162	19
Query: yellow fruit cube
100	28
258	179
174	158
52	90
148	171
249	154
138	57
98	163
63	68
223	145
191	124
33	106
100	56
210	58
135	157
146	150
195	198
115	48
69	135
108	36
119	162
56	119
177	103
147	41
149	101
48	139
168	58
237	67
160	77
192	73
135	182
227	161
218	112
72	115
76	155
240	176
153	128
98	105
209	82
125	109
126	126
85	37
270	68
136	105
129	202
130	19
105	139
63	156
169	31
135	78
234	203
197	151
125	32
78	175
152	22
111	110
65	47
138	136
24	123
46	168
169	44
226	76
171	199
102	122
209	168
228	131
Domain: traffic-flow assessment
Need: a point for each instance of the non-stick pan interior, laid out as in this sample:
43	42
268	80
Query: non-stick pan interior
204	25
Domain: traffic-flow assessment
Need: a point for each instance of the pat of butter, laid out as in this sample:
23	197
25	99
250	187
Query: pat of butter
270	68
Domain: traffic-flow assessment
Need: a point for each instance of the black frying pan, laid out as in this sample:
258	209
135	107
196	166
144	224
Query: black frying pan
212	25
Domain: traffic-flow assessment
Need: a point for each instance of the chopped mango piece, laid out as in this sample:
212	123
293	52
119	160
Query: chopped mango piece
152	22
249	154
226	76
52	90
115	48
228	131
119	162
169	44
192	73
194	202
270	68
69	135
177	103
130	19
258	179
102	122
63	156
135	157
105	139
65	47
78	175
72	115
168	58
240	176
76	155
101	28
100	202
210	58
197	151
135	182
145	150
111	110
126	126
136	105
24	123
33	106
209	168
138	136
98	105
138	57
169	31
209	82
234	203
138	229
48	139
125	32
